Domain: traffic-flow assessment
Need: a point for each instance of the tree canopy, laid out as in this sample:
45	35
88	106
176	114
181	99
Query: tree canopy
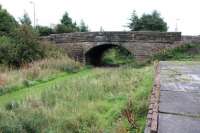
19	44
67	25
7	22
83	27
44	30
147	22
25	20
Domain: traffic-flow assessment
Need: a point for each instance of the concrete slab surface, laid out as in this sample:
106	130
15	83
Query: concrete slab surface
169	123
183	103
179	105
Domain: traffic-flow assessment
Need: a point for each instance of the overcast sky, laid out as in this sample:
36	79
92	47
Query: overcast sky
112	15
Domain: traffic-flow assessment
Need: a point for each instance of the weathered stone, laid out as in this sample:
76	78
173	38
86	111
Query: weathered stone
154	123
89	46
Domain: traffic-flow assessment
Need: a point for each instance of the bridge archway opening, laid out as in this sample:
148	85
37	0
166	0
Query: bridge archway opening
108	55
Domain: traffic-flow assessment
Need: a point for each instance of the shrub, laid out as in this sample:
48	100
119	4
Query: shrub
7	22
44	30
7	50
183	52
117	56
61	28
21	47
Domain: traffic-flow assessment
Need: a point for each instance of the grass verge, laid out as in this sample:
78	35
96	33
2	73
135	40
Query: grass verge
96	100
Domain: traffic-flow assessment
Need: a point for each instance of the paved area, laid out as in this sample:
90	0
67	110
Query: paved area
179	106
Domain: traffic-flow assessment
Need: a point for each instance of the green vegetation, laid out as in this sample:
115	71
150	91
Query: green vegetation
117	56
7	22
19	44
147	22
83	27
37	88
100	100
35	73
25	20
95	100
20	47
67	25
42	90
189	52
44	30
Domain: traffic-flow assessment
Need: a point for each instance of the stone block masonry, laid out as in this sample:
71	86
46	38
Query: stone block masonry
89	46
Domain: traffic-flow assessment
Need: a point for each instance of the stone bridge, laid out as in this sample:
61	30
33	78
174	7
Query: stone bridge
88	47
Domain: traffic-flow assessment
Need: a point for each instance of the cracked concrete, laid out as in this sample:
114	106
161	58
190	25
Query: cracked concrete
179	107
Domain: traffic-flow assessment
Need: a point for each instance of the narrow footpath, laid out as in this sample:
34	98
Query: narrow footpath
179	98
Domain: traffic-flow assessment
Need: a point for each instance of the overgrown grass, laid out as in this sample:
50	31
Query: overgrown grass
104	100
189	52
113	100
35	73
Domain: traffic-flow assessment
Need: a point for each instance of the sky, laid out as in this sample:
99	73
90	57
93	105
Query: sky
112	15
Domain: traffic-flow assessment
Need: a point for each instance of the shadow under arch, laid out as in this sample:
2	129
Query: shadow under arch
94	55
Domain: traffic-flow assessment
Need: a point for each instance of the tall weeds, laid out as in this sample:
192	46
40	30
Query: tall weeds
38	71
106	100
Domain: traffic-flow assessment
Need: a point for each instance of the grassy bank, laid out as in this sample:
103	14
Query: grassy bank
52	96
36	89
101	100
189	52
35	73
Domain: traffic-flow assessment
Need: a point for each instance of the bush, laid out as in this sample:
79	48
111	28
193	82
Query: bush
44	30
183	52
7	22
20	47
7	51
117	56
61	28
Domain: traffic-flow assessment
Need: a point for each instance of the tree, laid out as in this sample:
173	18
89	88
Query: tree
66	20
134	24
60	28
148	22
83	27
44	30
7	22
21	47
19	44
25	20
67	25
